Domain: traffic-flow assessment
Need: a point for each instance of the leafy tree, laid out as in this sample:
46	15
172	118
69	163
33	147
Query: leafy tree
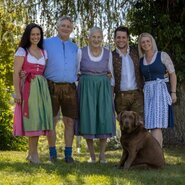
86	14
165	20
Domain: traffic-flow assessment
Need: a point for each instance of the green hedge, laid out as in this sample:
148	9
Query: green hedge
7	140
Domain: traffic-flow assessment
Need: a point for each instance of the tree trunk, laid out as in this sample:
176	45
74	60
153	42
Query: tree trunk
176	135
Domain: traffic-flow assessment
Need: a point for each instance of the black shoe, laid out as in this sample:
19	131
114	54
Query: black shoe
69	160
53	159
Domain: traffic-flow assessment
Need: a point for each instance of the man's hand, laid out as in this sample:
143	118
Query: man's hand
22	74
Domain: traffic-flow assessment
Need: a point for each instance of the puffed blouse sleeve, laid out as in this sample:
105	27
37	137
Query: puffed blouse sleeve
20	52
166	60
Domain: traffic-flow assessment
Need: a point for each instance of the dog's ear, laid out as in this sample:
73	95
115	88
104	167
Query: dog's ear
119	116
136	116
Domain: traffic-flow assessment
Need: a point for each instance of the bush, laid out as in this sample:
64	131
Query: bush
7	140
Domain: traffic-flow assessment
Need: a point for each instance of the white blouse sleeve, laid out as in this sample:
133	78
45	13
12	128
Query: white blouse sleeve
110	66
20	52
166	60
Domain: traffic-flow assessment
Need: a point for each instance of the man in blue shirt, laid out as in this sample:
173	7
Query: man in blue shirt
61	73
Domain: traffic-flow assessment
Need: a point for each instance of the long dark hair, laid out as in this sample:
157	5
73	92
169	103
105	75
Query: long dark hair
25	40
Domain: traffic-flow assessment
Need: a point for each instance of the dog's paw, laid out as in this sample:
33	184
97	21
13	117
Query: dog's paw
126	166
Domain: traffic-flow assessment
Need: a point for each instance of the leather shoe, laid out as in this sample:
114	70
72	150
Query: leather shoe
53	159
69	160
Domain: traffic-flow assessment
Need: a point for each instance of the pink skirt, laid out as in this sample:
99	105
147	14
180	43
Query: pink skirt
18	129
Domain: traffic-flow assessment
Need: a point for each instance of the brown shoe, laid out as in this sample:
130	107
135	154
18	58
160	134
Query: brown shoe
69	160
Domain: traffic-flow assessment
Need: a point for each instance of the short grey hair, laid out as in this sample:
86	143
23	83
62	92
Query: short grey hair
64	18
95	29
154	46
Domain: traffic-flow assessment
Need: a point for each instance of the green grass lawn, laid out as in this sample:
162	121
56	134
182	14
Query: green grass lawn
15	170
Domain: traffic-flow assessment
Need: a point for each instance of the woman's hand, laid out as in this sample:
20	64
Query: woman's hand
18	62
173	83
17	99
174	97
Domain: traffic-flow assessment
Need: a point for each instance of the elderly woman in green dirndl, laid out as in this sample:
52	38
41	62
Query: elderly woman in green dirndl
97	118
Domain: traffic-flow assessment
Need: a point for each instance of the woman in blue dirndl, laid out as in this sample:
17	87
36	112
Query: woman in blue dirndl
155	66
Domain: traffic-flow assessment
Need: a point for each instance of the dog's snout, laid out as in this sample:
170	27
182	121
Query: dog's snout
126	123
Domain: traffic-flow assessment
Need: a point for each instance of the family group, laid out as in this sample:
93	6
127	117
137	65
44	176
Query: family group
90	86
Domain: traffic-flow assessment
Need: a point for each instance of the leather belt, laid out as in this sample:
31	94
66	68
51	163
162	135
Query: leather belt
129	92
59	83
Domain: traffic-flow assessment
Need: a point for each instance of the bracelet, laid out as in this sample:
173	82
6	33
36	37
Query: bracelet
173	92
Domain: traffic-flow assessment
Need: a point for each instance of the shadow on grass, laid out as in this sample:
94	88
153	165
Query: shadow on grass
82	169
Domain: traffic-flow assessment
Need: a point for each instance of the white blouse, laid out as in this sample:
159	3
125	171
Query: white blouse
30	58
165	59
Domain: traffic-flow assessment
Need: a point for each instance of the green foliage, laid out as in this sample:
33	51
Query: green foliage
7	141
86	14
8	42
165	20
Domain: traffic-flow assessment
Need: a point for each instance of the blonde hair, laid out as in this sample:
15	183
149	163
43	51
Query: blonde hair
154	46
95	29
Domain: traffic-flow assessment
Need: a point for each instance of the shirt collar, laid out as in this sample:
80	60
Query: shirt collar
64	41
121	54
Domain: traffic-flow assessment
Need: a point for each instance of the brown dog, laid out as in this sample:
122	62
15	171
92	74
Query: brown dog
140	148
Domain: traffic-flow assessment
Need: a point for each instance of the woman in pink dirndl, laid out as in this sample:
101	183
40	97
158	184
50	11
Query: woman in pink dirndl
33	112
